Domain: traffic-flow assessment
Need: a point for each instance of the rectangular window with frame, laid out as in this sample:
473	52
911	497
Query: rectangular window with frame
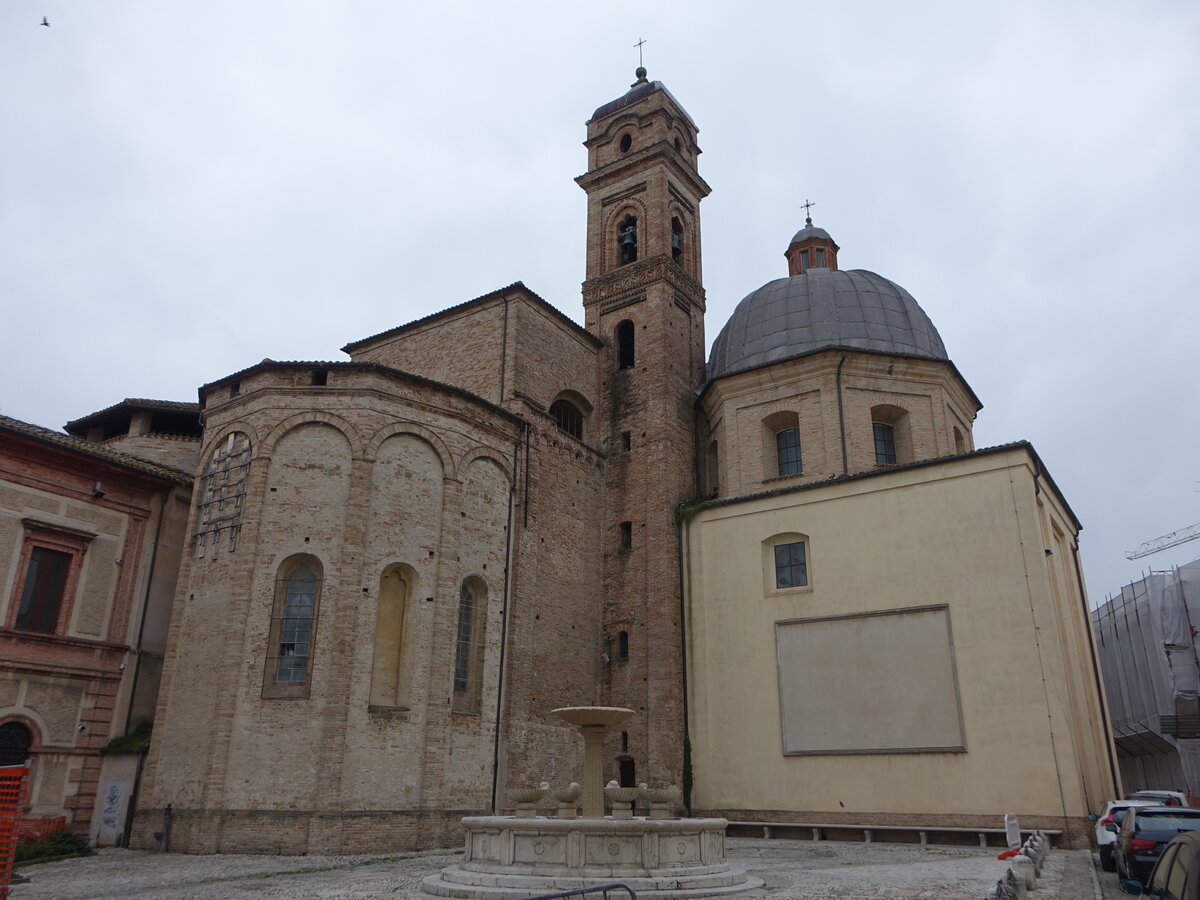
791	567
42	596
787	451
885	444
50	565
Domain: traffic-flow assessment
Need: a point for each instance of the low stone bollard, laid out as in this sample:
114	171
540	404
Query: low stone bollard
1026	870
1009	887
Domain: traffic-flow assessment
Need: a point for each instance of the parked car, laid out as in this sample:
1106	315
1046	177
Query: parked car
1113	814
1165	798
1176	876
1144	832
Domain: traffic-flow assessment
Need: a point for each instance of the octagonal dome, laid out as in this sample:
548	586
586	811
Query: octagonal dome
820	309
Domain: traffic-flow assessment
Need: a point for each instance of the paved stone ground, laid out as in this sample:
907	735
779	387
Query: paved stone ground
791	870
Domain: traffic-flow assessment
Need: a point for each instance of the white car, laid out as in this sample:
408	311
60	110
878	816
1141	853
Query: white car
1166	798
1114	812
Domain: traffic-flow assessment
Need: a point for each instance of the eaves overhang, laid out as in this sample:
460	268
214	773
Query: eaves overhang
838	348
1039	466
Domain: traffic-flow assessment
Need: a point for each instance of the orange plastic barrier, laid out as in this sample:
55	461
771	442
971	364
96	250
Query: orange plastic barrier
40	829
14	781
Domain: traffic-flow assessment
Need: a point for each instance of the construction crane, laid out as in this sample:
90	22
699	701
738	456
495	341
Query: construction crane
1174	539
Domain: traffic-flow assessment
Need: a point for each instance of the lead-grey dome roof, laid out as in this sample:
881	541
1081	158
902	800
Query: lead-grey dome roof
823	308
810	231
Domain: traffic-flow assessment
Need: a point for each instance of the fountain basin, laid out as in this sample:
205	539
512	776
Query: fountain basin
593	715
507	857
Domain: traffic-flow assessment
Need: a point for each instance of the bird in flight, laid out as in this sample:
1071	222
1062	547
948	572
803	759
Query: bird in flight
45	21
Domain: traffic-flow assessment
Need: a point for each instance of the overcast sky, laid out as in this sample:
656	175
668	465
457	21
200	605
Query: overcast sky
187	188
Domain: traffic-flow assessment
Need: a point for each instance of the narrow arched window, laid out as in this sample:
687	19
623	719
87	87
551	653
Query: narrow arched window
293	628
627	240
787	451
567	417
960	445
892	436
781	444
625	336
623	645
885	443
676	238
389	670
468	646
714	469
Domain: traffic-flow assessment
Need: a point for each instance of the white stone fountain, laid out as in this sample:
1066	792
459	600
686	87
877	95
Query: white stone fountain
660	856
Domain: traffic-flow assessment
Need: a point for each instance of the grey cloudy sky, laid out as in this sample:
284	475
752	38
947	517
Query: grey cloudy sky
187	188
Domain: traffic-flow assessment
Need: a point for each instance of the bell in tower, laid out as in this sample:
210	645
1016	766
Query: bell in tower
627	240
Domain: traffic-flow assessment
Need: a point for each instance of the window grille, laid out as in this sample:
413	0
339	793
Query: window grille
567	417
222	490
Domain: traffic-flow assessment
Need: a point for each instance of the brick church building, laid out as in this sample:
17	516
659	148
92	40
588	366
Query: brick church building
822	602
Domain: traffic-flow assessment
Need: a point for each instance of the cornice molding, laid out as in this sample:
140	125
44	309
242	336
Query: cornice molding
621	285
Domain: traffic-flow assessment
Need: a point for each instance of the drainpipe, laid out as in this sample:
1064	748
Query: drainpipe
137	650
841	413
683	661
509	578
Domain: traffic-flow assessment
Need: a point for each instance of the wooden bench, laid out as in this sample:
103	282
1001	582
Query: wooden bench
923	832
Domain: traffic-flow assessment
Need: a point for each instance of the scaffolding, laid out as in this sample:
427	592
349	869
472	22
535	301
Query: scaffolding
1146	638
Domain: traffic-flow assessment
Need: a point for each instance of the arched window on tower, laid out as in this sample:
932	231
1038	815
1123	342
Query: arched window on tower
676	239
627	240
626	535
625	334
468	646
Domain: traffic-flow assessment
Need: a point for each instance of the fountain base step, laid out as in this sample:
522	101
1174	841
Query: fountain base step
448	884
507	857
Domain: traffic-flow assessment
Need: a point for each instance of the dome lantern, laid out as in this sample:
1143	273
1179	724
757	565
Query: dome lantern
811	248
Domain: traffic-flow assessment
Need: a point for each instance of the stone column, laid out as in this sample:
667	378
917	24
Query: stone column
593	770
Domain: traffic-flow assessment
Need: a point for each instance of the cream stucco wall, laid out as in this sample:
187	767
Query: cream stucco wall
985	535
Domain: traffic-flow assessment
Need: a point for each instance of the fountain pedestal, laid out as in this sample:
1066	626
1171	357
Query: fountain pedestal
593	723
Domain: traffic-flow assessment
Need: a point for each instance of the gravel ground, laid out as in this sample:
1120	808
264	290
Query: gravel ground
791	870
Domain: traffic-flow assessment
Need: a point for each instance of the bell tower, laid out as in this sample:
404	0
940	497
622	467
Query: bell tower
644	298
